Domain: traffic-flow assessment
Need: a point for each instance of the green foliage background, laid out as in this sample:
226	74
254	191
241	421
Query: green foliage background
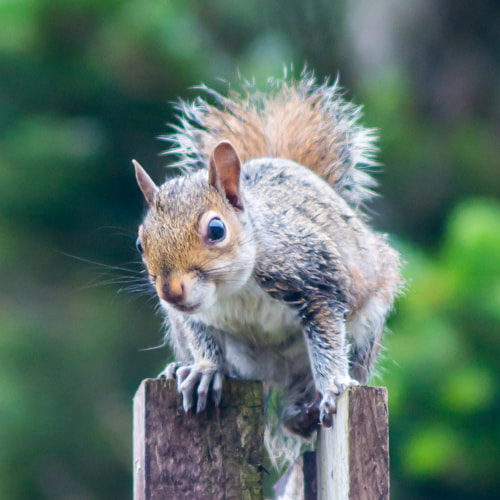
85	87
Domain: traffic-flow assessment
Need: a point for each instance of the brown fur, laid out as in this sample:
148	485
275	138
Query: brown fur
172	238
301	121
273	129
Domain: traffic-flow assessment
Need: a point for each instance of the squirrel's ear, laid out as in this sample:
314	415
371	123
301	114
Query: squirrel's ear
148	187
224	173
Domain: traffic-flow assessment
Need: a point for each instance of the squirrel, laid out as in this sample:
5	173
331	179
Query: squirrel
261	252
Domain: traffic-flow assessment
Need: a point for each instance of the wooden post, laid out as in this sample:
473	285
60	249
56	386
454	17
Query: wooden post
353	456
216	454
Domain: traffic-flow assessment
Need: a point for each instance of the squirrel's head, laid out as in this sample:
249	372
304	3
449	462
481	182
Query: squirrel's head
196	239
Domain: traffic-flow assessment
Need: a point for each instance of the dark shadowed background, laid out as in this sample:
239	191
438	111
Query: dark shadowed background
87	85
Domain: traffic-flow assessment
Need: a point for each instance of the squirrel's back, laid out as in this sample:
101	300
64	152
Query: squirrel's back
309	123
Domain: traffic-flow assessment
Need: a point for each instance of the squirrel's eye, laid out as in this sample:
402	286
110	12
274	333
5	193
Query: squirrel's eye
216	230
138	245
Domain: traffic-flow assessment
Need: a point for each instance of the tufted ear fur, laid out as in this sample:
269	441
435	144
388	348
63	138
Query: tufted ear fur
224	173
148	187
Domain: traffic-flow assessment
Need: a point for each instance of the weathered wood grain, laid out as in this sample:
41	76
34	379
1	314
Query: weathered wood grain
216	454
353	456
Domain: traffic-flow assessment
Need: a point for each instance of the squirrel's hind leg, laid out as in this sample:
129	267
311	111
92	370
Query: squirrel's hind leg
301	411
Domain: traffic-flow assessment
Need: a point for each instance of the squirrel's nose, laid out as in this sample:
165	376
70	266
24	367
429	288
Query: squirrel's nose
172	291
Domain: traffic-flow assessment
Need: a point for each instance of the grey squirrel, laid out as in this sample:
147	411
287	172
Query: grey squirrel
261	253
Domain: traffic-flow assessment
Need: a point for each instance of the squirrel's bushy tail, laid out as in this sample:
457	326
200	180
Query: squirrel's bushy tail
309	123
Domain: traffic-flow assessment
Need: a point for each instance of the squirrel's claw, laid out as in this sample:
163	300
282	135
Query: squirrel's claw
203	386
171	369
328	405
217	388
343	383
191	378
187	378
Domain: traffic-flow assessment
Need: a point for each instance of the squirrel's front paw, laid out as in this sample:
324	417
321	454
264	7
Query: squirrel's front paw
195	377
328	405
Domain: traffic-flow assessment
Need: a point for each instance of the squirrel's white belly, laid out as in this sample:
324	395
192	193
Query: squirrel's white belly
263	337
252	314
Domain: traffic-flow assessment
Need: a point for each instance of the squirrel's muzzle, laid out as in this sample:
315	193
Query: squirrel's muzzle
172	291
